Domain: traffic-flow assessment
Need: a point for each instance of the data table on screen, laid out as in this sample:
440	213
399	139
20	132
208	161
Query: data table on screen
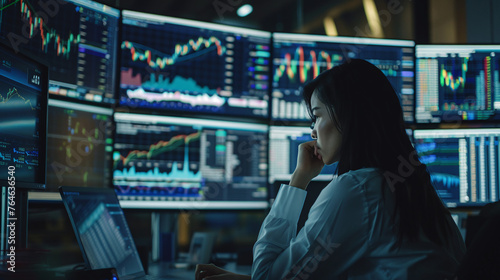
463	163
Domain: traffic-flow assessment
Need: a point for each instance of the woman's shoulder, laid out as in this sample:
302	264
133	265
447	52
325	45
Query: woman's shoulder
359	175
355	181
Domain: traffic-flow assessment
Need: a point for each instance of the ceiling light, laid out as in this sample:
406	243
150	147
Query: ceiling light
373	18
245	10
330	27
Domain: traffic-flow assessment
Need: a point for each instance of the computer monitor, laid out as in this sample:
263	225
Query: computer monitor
299	58
23	125
79	145
163	161
463	163
190	66
76	38
284	144
457	83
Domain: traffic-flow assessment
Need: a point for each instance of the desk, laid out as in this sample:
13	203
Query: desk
167	270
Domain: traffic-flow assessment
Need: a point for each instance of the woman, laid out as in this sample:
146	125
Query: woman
380	218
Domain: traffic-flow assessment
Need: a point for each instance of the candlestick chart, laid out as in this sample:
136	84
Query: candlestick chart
301	66
297	62
467	83
77	40
463	85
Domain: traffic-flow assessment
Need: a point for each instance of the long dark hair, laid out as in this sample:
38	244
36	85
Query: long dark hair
368	114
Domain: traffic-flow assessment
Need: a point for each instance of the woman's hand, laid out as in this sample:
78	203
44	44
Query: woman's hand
212	272
309	165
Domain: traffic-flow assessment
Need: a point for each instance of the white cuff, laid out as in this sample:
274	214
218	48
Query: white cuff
288	203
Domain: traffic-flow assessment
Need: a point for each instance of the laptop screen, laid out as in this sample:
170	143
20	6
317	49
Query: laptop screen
101	230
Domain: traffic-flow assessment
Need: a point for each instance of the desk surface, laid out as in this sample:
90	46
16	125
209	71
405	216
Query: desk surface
167	270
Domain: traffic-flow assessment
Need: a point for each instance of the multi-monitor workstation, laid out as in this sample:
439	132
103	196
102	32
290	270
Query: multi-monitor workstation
175	113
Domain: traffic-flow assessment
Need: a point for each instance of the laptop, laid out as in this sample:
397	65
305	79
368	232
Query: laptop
103	234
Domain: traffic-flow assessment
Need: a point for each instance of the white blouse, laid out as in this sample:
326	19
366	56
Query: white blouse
349	234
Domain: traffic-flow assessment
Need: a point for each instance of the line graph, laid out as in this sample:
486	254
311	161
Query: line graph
159	148
8	5
182	52
13	93
165	164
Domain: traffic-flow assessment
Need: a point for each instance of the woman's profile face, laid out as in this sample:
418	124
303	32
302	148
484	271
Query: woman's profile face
328	138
